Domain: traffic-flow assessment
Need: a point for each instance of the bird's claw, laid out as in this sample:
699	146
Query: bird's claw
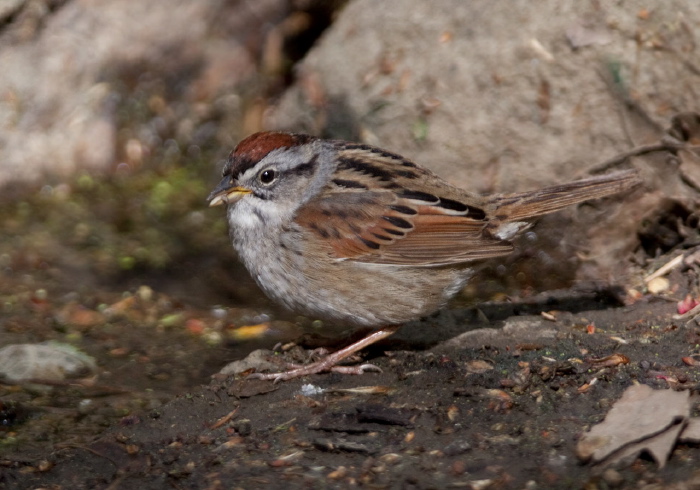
314	368
361	369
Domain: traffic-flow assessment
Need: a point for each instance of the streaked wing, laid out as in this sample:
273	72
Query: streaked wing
385	210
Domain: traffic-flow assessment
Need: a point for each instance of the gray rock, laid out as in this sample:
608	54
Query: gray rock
59	83
494	95
503	96
50	361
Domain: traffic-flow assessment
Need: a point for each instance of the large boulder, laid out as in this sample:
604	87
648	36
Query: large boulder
504	96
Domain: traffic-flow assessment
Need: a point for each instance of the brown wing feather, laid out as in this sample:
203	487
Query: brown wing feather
530	204
381	208
442	240
381	227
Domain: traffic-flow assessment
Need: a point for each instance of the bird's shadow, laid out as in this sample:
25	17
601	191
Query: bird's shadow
427	332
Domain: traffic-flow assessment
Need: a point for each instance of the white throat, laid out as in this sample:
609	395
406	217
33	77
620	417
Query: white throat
258	214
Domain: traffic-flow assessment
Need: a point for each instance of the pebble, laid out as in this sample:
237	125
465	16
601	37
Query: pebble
48	361
658	285
612	477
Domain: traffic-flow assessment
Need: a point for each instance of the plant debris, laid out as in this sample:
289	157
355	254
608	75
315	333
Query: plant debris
643	419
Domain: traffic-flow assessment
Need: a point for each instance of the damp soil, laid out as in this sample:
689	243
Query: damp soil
491	395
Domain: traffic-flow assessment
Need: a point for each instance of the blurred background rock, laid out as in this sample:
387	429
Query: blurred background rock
494	96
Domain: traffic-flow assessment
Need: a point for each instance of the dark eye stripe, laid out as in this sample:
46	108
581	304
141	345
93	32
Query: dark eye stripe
398	222
306	168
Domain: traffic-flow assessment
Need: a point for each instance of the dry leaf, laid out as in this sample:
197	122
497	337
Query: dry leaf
478	366
610	361
641	413
659	446
691	432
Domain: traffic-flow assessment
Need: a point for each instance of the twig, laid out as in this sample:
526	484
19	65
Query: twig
665	269
664	145
225	419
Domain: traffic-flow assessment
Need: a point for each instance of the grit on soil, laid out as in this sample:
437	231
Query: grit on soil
500	406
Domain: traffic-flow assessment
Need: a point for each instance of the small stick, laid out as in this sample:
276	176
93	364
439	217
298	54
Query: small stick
665	145
224	419
665	269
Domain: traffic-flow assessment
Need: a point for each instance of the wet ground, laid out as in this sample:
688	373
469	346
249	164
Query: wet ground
488	396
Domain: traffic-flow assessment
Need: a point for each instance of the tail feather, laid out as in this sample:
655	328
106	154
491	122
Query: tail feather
522	206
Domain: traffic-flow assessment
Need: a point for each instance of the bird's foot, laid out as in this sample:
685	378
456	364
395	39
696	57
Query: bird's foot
330	362
315	368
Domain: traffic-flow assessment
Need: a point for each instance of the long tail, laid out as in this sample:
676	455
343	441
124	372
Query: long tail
525	205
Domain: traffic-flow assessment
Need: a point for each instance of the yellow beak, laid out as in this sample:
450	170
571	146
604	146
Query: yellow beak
224	193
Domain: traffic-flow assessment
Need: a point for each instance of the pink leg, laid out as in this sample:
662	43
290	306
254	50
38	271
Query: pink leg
329	362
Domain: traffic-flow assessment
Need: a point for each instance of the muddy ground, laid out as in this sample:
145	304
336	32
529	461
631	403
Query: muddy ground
503	406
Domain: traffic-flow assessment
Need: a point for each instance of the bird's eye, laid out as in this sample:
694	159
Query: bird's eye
268	176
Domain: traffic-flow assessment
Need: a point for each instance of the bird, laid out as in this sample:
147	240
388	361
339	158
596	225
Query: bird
358	235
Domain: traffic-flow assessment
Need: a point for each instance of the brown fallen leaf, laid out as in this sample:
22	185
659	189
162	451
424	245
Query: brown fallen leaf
691	361
231	442
479	366
640	414
610	361
500	400
586	387
659	446
691	432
